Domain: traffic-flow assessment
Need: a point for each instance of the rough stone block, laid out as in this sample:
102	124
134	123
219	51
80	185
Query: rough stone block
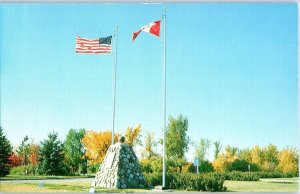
122	171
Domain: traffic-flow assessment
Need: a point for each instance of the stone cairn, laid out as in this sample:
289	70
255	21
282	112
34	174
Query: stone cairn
120	168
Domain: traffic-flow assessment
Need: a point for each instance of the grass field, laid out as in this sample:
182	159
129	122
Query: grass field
60	187
35	177
48	187
266	185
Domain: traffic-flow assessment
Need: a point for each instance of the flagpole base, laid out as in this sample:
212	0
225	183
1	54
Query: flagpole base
160	187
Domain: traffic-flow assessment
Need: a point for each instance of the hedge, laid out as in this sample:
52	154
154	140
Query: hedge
187	181
208	181
276	175
237	176
252	176
28	169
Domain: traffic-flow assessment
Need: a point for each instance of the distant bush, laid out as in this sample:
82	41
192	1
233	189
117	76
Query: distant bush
241	165
174	165
93	168
276	175
146	166
154	179
212	181
151	165
189	167
238	176
206	166
29	169
188	181
252	176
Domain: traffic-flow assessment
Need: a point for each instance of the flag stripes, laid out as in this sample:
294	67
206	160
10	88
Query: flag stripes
84	45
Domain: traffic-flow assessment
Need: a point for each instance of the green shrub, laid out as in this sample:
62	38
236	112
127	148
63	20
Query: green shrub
29	169
82	169
145	166
276	175
238	165
187	181
180	181
206	166
244	176
93	168
175	164
153	179
237	176
213	184
151	165
252	176
154	164
188	167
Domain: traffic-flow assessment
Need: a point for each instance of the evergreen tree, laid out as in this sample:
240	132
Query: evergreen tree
5	152
51	156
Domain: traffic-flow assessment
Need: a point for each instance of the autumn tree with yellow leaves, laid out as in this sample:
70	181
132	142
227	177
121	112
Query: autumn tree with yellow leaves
288	160
223	161
133	135
97	144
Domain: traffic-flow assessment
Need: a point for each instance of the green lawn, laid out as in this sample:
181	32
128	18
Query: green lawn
47	187
61	187
263	186
266	185
21	177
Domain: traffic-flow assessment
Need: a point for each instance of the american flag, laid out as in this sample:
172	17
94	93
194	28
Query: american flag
96	46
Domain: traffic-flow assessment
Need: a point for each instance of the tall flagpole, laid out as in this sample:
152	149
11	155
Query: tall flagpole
164	105
114	84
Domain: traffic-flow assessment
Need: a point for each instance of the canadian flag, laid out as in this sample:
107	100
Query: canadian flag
152	28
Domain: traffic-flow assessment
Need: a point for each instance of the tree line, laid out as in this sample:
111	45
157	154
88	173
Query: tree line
83	150
228	159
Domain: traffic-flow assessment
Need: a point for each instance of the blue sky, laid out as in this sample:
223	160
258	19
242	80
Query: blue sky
231	69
